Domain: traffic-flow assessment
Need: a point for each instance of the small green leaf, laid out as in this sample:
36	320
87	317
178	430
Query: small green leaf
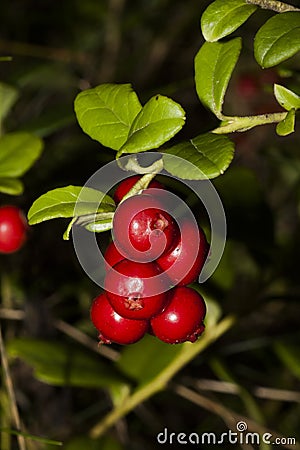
206	156
223	17
70	201
106	113
286	98
278	39
18	152
61	364
287	125
158	121
11	186
8	96
214	64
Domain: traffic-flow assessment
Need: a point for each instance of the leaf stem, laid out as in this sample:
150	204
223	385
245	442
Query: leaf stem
189	351
273	5
232	124
133	164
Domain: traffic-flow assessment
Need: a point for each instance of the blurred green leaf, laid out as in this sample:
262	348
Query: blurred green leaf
18	152
69	201
45	441
107	112
11	186
147	358
286	98
214	64
206	156
60	364
278	39
287	125
158	121
289	354
223	17
8	96
86	443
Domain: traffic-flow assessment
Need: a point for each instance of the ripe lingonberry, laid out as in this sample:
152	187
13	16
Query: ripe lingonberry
125	186
182	319
136	290
183	261
142	229
112	256
13	229
112	327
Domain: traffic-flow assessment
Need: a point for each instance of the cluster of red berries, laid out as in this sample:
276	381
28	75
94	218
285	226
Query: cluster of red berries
149	264
13	229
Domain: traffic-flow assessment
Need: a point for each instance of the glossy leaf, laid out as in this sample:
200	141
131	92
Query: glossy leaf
287	125
106	113
223	17
70	201
11	186
60	364
286	98
278	39
158	121
214	64
206	156
18	152
8	96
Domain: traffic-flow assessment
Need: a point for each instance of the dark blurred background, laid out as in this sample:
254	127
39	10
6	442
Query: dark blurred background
61	48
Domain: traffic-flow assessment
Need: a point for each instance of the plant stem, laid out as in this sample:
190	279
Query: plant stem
232	124
133	164
273	5
189	351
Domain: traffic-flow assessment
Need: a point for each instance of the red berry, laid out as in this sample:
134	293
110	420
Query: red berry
182	319
142	229
13	229
183	262
112	256
125	186
136	290
114	328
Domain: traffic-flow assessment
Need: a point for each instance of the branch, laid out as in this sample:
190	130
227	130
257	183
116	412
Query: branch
273	5
232	124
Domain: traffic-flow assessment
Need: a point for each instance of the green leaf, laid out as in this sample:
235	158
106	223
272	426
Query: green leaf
69	201
286	98
206	156
11	186
223	17
86	443
158	121
278	39
106	113
8	96
147	358
214	64
287	125
61	364
290	356
18	152
32	437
